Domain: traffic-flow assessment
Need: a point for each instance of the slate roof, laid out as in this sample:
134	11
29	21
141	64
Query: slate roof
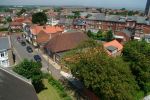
127	32
100	16
112	18
65	21
12	88
79	22
4	43
117	18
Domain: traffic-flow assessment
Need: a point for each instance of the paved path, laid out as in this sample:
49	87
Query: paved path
21	53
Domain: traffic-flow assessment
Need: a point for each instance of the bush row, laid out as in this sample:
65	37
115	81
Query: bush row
3	29
59	87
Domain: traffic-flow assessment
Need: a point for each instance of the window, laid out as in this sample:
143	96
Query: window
5	63
2	54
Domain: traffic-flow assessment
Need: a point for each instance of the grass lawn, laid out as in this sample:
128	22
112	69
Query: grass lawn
48	94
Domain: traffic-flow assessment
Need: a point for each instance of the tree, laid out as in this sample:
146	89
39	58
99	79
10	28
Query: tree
31	70
137	54
99	9
109	36
130	13
39	18
21	12
76	14
57	9
99	34
89	34
123	9
109	78
9	19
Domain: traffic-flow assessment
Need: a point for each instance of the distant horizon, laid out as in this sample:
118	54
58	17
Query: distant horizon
115	4
77	6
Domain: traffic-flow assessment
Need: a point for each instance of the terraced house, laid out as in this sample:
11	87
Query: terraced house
117	23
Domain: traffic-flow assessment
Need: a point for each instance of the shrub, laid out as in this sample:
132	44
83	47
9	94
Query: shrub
59	87
3	29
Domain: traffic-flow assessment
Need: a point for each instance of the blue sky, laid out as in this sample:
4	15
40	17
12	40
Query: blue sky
99	3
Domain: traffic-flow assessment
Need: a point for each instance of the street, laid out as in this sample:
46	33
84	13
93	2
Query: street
21	53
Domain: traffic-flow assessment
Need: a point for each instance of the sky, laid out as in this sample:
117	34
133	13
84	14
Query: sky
131	4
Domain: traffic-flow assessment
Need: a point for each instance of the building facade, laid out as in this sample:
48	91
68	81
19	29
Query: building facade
147	8
6	58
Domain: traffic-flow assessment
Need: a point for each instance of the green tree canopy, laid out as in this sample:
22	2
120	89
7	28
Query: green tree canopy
39	18
76	14
109	36
123	9
21	12
57	9
109	78
31	70
9	19
90	34
99	34
137	53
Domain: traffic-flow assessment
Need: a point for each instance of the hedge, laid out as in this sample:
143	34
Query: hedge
3	29
59	87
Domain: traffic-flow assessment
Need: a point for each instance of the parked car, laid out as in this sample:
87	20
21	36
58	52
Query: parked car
29	49
19	39
23	43
37	58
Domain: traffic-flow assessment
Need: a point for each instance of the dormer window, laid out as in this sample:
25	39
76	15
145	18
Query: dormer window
112	49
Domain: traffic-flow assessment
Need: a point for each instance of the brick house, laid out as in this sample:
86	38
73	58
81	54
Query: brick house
18	23
123	36
37	34
15	27
56	47
113	48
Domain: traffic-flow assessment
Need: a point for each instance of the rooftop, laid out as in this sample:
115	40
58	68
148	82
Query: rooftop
113	45
47	29
65	41
12	88
4	43
111	48
118	18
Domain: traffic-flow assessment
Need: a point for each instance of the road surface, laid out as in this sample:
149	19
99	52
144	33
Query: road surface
21	54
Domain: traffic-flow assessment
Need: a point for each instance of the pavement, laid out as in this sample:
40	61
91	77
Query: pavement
21	53
147	97
49	59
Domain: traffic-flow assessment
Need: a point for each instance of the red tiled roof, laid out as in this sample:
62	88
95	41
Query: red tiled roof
42	37
65	41
22	19
18	19
47	29
15	24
